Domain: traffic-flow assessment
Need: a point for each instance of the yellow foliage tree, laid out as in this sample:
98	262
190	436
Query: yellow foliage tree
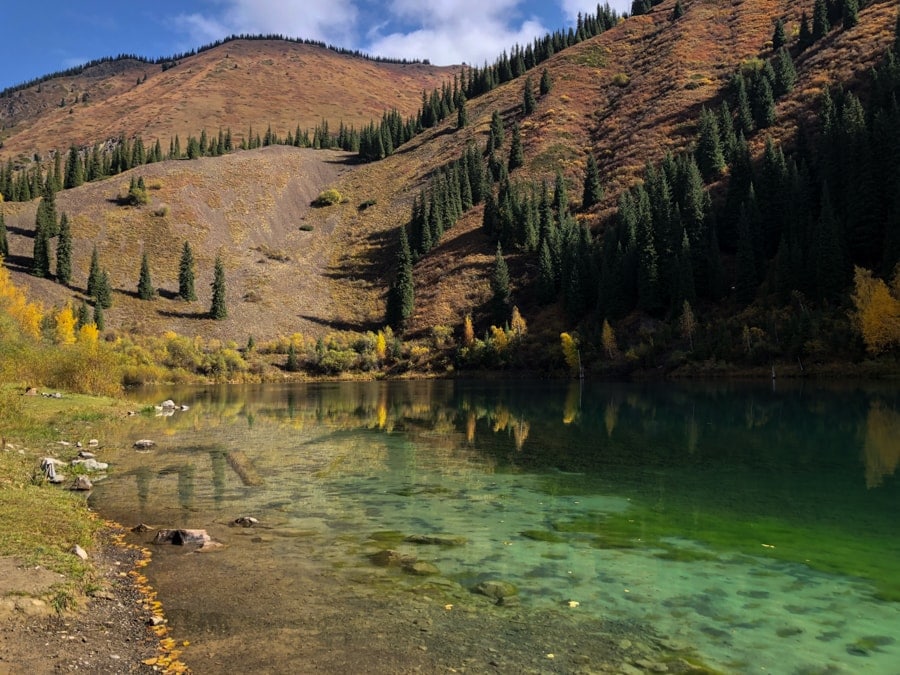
608	337
27	314
468	331
65	326
380	346
570	352
517	324
877	312
499	338
88	334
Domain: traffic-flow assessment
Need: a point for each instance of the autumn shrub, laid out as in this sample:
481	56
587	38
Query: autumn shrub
328	197
621	80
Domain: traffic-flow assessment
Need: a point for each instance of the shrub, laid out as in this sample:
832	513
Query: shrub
328	197
621	80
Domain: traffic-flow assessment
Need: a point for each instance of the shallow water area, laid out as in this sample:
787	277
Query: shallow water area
746	528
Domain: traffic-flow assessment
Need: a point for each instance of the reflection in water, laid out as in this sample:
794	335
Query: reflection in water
881	449
731	513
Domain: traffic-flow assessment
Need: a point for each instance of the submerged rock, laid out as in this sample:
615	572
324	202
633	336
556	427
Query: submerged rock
389	557
141	527
421	569
144	444
437	539
496	589
182	537
245	521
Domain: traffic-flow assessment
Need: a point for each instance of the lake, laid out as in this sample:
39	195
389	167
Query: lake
738	527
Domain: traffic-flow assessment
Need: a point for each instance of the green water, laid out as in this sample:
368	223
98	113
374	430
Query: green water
757	526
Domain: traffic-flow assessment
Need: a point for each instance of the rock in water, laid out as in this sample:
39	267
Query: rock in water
182	537
421	569
168	404
496	589
144	444
437	539
90	464
82	483
246	521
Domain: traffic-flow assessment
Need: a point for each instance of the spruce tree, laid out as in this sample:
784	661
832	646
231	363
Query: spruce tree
103	295
40	264
218	310
821	25
710	158
805	38
46	218
546	83
186	274
850	13
94	274
462	115
99	320
500	288
678	12
497	130
779	38
516	154
145	285
4	242
401	295
593	191
74	169
64	252
529	102
785	73
83	317
293	363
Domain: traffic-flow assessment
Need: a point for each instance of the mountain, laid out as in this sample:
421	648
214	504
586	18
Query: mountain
630	96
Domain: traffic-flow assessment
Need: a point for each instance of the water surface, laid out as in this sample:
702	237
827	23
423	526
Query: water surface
755	527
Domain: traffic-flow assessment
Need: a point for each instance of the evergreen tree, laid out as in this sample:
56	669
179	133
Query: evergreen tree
546	83
779	38
93	274
293	363
401	295
850	13
828	261
500	288
64	252
785	73
4	242
46	218
497	130
678	12
145	285
805	38
83	318
74	169
462	115
821	25
710	159
516	154
103	296
593	191
99	320
763	103
529	101
40	265
186	274
218	309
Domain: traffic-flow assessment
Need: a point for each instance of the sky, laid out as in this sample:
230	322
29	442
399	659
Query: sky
59	34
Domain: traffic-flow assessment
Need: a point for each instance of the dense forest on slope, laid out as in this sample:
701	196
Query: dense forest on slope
748	218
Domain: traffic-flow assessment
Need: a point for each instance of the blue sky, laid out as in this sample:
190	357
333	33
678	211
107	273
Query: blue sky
56	34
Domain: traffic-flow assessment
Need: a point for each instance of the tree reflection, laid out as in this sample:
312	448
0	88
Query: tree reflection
881	448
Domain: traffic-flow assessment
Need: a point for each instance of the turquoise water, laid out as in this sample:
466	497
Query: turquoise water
755	525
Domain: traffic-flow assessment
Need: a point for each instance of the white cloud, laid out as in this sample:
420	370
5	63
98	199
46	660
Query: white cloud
454	31
330	21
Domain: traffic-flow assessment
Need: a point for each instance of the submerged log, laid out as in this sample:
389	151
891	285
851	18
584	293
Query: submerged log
243	467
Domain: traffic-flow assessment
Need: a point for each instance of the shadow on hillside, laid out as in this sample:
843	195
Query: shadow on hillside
173	314
349	326
21	231
19	263
372	268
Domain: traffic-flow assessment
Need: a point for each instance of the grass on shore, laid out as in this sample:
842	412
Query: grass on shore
43	522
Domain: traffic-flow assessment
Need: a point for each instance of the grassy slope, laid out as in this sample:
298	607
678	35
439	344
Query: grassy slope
336	275
241	83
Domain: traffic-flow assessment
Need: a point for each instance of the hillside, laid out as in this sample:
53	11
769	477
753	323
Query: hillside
235	85
629	96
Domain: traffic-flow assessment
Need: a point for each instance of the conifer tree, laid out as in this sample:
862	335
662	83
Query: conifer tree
497	130
462	115
593	191
850	13
145	285
4	242
805	37
186	274
46	218
218	309
83	318
293	363
516	154
678	12
40	264
821	25
546	83
710	158
785	73
828	260
99	320
763	103
546	275
103	295
401	295
779	38
529	102
500	287
74	169
93	274
64	252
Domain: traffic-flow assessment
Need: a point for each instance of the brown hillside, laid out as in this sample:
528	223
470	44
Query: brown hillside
237	84
249	206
